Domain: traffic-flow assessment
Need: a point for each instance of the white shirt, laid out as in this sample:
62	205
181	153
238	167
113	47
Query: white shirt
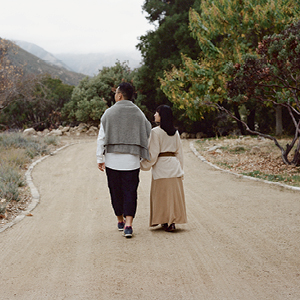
115	161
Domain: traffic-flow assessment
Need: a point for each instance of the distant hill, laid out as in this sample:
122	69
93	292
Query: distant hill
90	64
42	54
36	65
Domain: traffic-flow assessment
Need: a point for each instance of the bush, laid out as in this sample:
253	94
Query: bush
32	146
15	152
14	156
51	140
10	181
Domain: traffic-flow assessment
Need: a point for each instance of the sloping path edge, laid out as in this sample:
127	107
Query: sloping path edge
197	154
35	196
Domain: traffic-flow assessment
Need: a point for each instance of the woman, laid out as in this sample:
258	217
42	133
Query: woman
167	203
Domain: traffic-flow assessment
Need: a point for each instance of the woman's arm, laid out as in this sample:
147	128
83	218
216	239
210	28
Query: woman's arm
179	151
154	150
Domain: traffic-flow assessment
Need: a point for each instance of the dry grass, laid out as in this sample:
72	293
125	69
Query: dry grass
16	153
252	156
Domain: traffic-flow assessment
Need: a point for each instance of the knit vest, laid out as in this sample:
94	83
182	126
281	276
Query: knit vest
126	129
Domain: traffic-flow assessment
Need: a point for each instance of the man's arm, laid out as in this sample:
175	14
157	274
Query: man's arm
100	149
101	166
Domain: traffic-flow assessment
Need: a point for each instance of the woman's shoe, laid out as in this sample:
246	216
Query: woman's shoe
164	226
170	228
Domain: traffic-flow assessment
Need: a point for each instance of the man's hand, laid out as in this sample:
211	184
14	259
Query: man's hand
101	166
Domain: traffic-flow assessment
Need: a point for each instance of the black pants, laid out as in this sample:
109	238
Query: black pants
123	190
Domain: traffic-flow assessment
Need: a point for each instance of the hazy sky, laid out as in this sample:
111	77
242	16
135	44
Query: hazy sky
77	26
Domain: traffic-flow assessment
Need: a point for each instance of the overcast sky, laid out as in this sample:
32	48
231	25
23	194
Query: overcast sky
77	26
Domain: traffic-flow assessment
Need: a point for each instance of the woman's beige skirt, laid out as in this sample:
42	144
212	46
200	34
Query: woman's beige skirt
167	202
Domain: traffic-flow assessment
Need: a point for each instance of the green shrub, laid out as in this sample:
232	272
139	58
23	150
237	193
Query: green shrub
34	148
15	152
10	181
51	140
237	149
9	191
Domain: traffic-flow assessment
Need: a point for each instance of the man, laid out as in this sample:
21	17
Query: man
122	141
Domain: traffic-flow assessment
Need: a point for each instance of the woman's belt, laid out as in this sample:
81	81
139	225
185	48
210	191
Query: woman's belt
166	154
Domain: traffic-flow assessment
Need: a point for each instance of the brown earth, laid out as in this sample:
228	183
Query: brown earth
241	240
247	155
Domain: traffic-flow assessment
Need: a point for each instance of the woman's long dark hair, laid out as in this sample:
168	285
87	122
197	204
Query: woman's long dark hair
166	119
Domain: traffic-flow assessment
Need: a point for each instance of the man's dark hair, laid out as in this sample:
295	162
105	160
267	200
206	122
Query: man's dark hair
166	119
126	89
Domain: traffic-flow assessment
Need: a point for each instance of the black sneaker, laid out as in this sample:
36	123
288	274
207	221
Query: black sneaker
121	226
128	232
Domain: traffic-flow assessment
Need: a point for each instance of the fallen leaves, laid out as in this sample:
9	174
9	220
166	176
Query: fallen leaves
260	156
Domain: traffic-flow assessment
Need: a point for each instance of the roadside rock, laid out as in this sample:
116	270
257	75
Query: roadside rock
214	149
200	135
65	129
184	135
55	132
29	131
93	131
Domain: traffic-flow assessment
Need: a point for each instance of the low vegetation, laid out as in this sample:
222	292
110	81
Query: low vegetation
16	152
252	156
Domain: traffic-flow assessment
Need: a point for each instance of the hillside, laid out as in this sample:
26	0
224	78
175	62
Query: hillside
42	53
32	64
91	63
88	63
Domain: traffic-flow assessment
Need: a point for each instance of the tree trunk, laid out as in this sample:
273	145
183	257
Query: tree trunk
238	116
251	119
278	110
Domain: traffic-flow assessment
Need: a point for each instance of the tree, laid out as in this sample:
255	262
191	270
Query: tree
9	74
161	48
93	95
18	89
272	79
41	107
225	30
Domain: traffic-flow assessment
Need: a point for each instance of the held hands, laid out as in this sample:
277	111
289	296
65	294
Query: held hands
101	166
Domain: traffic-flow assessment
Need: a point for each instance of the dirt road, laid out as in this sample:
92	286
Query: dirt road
242	240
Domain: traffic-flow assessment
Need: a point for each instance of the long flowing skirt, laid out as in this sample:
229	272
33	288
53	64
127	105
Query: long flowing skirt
167	202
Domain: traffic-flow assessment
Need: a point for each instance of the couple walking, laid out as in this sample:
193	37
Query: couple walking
126	144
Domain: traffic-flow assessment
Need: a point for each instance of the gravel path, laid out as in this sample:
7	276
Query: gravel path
242	240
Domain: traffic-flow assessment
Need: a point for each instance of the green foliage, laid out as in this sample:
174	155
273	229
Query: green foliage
225	31
237	149
51	140
272	79
93	95
10	181
11	75
162	48
17	141
9	189
291	180
41	109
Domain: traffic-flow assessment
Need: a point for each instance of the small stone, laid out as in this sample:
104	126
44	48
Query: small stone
29	131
